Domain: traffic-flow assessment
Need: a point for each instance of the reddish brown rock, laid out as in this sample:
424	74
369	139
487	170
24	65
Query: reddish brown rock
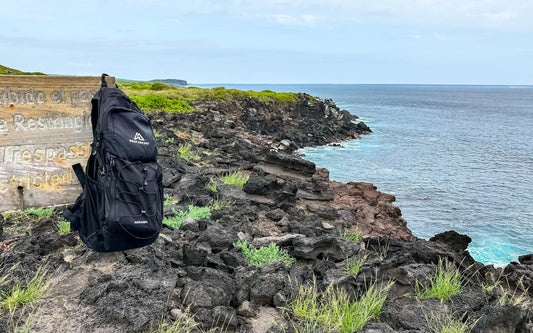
375	213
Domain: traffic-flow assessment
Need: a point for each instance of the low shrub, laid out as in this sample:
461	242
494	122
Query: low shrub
158	102
135	89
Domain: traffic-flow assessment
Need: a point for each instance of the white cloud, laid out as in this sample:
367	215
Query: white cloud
305	20
494	14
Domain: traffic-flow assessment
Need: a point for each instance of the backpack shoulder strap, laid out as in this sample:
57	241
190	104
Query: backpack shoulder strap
95	101
104	82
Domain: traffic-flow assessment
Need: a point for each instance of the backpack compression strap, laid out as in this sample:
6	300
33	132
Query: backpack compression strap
78	170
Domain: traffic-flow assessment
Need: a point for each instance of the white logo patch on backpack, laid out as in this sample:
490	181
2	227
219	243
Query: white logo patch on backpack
138	139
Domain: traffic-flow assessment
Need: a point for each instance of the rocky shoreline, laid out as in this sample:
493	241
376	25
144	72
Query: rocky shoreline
196	272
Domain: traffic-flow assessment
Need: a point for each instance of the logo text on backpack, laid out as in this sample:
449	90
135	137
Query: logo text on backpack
138	139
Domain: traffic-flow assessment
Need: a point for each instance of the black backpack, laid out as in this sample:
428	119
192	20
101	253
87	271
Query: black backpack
121	206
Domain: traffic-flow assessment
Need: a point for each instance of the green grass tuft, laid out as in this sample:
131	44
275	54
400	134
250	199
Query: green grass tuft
335	311
39	213
183	324
219	204
353	234
168	200
211	186
187	153
63	227
238	178
265	255
19	219
444	322
21	295
444	283
194	212
353	265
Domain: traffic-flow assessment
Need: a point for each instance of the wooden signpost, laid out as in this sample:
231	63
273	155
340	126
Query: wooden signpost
45	128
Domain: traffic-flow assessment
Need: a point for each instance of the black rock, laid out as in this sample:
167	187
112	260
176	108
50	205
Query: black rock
330	247
526	259
456	241
194	255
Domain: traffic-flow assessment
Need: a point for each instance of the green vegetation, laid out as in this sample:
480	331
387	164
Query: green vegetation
353	265
195	93
444	322
238	178
505	294
353	234
334	310
444	283
158	102
22	295
512	297
168	200
187	153
195	212
160	96
63	227
34	215
219	204
211	186
183	324
18	220
10	71
265	255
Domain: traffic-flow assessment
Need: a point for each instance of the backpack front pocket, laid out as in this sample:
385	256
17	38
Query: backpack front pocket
135	193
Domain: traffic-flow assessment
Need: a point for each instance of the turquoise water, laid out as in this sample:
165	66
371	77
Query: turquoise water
455	157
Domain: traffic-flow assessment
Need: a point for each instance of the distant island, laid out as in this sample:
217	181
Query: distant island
171	82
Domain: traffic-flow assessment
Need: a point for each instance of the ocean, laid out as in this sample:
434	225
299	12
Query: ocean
456	157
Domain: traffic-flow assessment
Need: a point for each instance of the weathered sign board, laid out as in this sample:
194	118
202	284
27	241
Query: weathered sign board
45	128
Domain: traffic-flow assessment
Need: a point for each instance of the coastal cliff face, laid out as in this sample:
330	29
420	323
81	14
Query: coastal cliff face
197	273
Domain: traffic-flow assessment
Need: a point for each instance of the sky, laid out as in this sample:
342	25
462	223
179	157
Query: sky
274	41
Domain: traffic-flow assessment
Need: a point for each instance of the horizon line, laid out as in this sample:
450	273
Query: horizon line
371	84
